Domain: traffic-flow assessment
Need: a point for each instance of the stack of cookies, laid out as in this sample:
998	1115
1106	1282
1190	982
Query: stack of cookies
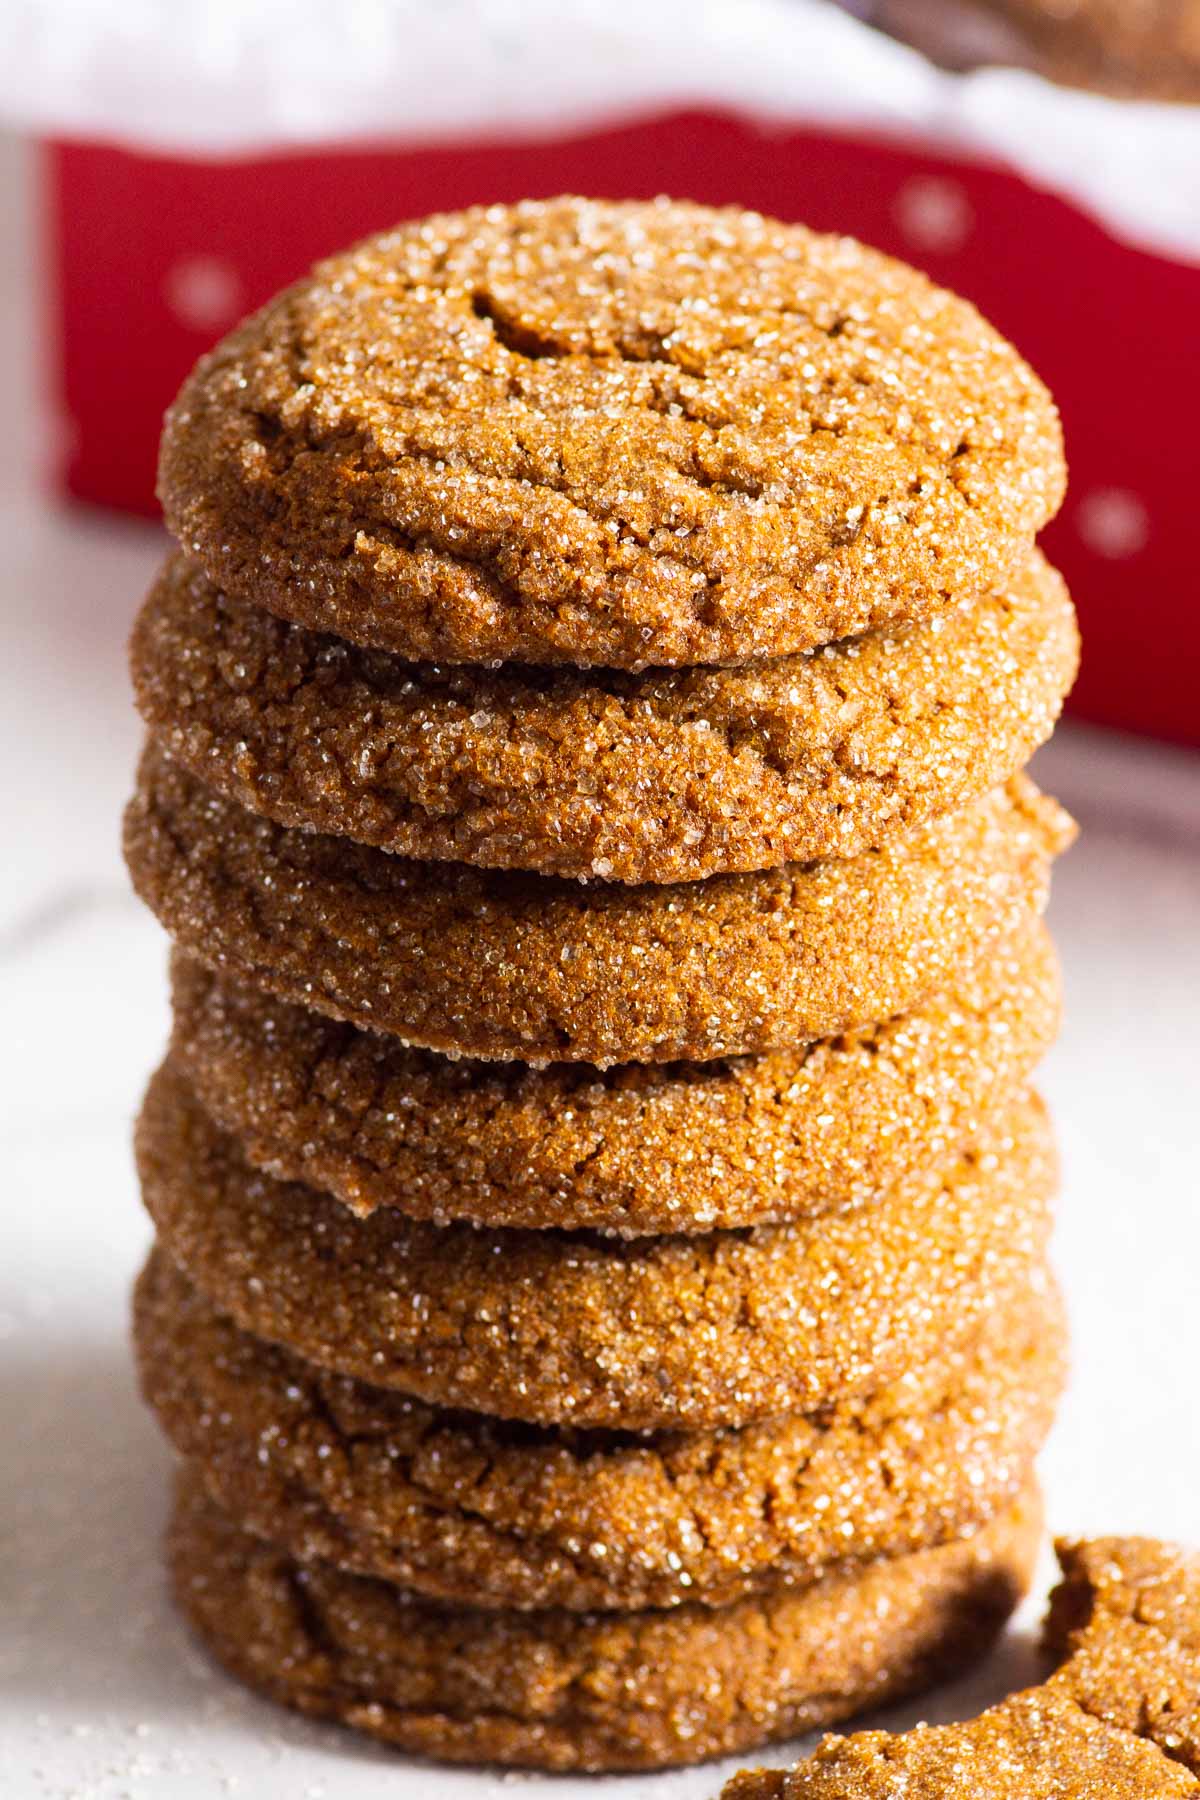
600	1293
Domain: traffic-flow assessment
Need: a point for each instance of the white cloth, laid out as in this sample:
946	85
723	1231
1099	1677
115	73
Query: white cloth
220	76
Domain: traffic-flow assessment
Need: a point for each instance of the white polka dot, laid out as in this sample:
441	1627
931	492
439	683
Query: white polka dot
1112	522
933	213
203	292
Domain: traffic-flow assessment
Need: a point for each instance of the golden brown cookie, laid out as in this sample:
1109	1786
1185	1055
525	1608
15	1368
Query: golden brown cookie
495	964
560	1690
461	1507
1118	1720
637	1149
666	776
568	1328
1147	48
624	434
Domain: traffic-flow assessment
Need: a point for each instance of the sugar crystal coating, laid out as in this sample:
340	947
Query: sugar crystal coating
636	1149
1118	1720
496	964
558	1690
600	1287
596	433
461	1507
670	775
569	1328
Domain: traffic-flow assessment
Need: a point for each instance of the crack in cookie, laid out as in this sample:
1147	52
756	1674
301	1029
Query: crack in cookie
672	775
618	434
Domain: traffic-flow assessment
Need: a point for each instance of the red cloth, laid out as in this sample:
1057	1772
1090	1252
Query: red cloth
154	258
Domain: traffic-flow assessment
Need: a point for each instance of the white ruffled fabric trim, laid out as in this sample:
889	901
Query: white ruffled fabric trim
212	77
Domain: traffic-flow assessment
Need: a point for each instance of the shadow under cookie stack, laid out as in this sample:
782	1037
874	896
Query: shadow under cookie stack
600	1294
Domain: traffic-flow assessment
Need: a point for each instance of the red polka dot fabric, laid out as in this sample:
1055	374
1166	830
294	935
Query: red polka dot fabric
155	258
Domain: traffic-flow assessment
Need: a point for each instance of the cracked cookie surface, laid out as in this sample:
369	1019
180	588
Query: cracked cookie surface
557	1690
465	1508
619	434
502	965
665	776
637	1149
1118	1720
571	1328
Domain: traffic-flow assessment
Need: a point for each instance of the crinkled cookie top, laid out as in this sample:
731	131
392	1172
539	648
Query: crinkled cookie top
574	431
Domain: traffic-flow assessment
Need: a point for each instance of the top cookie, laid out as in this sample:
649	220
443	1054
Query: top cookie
574	431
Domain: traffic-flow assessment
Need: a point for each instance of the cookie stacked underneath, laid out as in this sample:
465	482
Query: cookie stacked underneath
600	1290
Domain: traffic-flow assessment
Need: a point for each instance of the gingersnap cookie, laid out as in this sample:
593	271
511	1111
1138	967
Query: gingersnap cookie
1119	1718
563	1690
569	1328
1150	49
623	434
637	1149
666	776
462	1507
496	964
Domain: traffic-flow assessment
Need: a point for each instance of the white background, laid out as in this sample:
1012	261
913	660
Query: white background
101	1693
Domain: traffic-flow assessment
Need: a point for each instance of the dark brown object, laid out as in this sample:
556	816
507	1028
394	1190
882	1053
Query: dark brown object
1149	49
640	1148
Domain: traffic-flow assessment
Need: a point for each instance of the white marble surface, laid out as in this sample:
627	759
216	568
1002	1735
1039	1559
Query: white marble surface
101	1693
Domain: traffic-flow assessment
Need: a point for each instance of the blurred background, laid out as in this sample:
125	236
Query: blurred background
189	165
164	168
